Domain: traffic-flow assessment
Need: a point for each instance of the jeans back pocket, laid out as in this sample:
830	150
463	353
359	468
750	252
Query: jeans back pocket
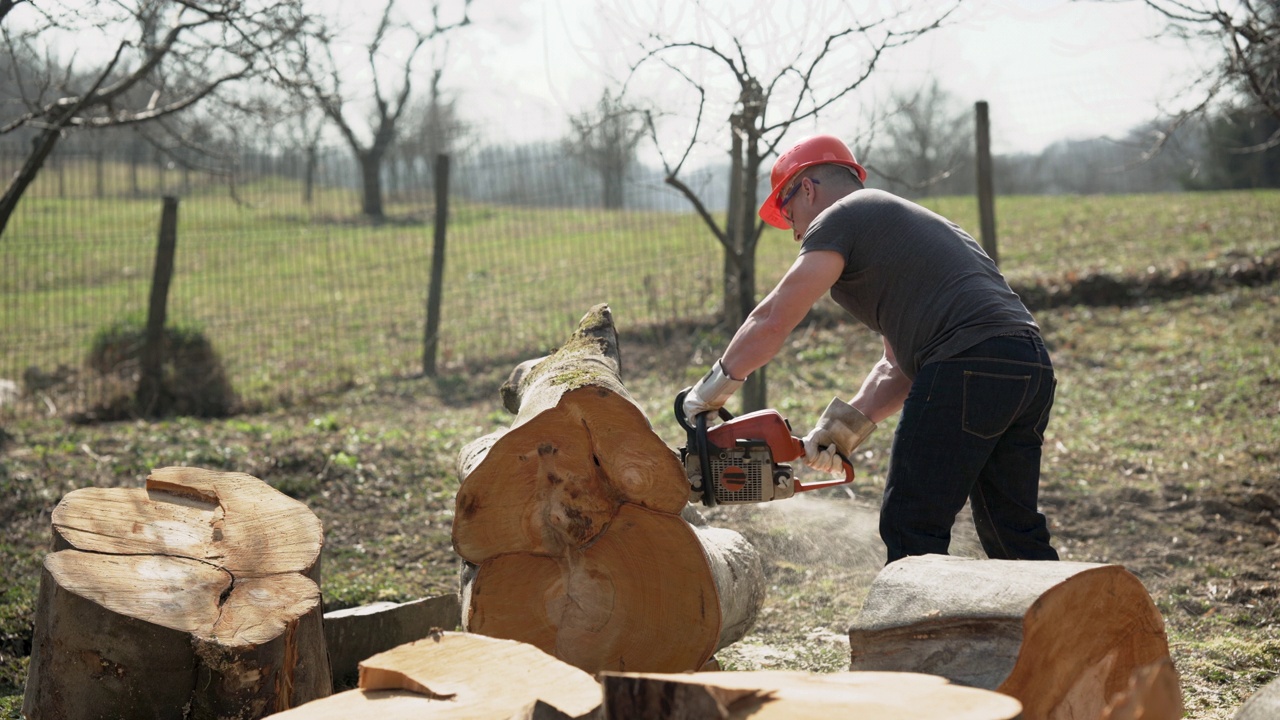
992	402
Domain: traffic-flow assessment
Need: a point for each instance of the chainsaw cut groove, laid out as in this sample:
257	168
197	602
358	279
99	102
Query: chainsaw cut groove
571	518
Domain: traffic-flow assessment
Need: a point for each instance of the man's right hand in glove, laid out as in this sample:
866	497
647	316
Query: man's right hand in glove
840	430
710	393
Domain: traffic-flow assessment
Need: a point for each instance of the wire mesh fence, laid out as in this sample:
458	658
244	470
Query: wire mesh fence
299	291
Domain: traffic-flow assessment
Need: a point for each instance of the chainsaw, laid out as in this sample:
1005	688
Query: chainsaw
742	459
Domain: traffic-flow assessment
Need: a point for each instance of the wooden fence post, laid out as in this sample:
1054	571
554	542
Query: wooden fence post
431	343
986	187
149	384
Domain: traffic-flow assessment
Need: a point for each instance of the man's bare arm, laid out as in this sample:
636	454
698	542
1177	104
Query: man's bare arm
884	389
766	329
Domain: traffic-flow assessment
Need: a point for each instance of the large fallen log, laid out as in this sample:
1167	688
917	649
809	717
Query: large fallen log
1064	638
779	695
1262	705
194	597
570	524
464	676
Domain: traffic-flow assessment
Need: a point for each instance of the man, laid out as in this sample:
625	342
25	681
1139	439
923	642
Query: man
963	358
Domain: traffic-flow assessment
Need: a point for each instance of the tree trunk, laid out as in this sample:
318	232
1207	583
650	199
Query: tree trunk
460	676
371	180
781	695
571	523
1061	637
197	596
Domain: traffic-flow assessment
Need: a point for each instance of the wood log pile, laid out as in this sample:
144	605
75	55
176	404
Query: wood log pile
462	675
588	590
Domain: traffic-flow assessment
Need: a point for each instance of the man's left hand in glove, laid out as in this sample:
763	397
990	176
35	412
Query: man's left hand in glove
840	430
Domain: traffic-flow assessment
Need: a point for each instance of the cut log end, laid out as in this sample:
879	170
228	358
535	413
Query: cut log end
197	592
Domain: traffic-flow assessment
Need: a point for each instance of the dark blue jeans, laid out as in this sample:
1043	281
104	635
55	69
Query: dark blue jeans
972	427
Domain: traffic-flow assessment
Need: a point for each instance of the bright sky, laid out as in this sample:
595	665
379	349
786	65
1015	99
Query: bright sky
1050	69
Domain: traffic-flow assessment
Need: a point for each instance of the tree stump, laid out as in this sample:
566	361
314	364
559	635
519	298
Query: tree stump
779	695
1062	637
194	597
569	523
460	676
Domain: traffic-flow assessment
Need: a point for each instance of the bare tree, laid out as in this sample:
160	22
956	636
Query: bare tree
169	55
767	69
1248	32
320	75
605	139
928	141
786	77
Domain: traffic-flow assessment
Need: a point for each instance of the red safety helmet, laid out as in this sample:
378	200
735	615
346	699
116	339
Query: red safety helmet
817	150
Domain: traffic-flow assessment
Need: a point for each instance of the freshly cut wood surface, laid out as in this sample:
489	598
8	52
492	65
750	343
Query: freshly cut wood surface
1064	638
460	675
626	596
779	695
194	595
570	522
1153	694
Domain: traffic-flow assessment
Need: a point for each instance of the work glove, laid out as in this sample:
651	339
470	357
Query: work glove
710	393
840	430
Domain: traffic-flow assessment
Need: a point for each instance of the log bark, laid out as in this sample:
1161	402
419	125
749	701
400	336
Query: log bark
780	695
1262	705
459	675
195	596
353	634
1063	638
570	525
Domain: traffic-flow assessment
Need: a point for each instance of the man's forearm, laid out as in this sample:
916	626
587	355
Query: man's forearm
883	391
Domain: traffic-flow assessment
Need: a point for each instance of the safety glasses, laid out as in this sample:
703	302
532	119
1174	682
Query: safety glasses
782	204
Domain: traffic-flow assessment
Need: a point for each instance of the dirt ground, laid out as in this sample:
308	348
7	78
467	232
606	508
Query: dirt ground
376	465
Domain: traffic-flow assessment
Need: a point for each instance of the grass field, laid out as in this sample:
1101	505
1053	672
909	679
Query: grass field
1161	456
298	299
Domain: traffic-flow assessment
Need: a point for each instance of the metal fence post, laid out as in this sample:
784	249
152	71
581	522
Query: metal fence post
152	361
431	341
986	187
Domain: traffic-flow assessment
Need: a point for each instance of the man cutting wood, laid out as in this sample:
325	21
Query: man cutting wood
963	357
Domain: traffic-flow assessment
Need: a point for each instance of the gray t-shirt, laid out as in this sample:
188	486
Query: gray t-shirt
915	277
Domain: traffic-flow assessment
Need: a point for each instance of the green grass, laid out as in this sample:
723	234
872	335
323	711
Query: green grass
301	298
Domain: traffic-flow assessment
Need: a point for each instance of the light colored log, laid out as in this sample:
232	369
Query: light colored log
1262	705
1063	638
782	695
569	523
192	597
460	675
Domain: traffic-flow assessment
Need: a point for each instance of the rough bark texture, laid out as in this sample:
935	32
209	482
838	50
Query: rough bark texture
194	597
1063	638
458	675
570	525
777	695
1263	705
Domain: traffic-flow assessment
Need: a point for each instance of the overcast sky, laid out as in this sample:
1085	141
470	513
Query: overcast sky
1050	69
